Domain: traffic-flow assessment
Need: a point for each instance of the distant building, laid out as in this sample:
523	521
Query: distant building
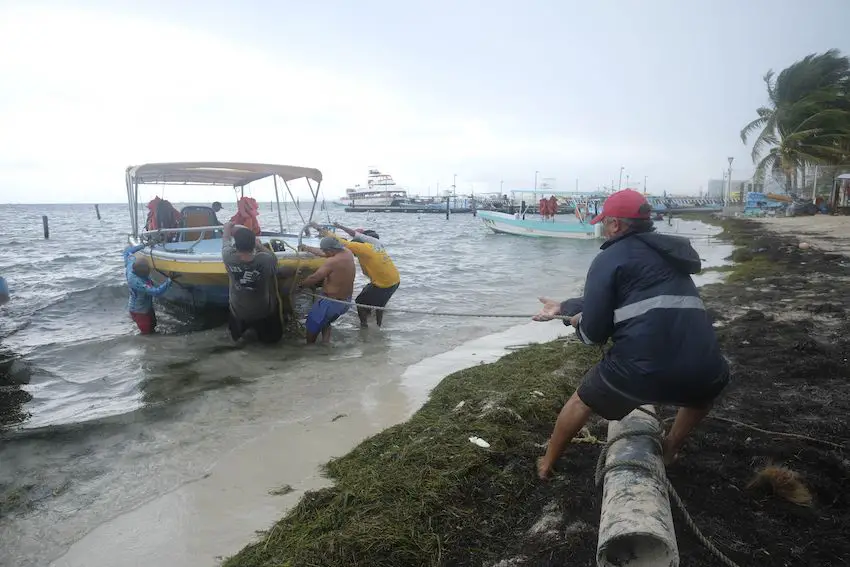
717	187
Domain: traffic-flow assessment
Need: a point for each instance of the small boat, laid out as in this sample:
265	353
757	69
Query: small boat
190	247
537	228
526	222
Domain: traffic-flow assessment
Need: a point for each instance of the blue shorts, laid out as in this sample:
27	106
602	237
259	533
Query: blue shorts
323	313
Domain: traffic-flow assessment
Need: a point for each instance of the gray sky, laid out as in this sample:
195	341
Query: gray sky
490	90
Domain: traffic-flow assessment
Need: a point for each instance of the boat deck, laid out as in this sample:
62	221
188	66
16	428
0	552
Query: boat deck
211	247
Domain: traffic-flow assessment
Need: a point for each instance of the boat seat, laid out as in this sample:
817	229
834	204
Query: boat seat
195	215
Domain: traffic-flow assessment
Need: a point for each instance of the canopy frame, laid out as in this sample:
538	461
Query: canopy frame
232	174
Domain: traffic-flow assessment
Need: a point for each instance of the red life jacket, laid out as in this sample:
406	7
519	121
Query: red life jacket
247	213
162	215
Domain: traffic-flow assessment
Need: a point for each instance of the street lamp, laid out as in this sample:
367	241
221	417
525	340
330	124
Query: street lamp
620	184
535	184
729	180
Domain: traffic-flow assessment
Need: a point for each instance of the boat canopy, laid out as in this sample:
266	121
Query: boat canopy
215	173
233	174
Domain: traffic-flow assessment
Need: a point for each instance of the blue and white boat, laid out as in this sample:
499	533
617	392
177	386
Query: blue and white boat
568	227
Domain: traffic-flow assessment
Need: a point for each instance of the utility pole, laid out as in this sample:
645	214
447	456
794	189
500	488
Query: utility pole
729	181
815	185
535	185
620	184
627	181
644	184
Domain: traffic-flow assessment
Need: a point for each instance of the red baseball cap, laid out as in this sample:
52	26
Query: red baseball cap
625	204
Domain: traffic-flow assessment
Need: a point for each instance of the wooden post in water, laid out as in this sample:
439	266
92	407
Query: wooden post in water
97	211
46	228
447	206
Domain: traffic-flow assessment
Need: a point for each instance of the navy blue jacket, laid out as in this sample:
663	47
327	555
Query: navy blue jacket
640	294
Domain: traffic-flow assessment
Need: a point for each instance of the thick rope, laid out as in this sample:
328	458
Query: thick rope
435	313
602	469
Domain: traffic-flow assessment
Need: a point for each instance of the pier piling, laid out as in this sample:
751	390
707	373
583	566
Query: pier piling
45	226
97	211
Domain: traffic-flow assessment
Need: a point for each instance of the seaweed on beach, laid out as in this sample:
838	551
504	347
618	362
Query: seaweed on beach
421	493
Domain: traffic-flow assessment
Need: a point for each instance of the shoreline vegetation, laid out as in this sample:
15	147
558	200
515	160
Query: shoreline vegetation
421	493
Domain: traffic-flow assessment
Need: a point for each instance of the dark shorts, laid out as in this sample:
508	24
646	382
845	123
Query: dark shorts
146	322
323	313
612	403
269	330
375	296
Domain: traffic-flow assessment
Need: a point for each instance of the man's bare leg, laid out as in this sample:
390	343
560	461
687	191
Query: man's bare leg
379	316
311	338
363	313
326	335
686	420
573	417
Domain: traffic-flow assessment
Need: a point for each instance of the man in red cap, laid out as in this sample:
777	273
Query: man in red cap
640	295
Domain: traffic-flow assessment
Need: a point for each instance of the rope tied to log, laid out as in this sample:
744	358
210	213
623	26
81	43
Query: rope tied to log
602	469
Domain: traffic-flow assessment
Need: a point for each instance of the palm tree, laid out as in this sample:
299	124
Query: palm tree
807	120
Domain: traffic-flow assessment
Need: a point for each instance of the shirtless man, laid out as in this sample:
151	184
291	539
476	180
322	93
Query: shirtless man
337	275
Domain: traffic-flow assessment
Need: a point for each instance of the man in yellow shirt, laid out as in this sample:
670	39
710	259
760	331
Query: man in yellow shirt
376	264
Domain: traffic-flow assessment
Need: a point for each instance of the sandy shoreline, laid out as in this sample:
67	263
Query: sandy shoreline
202	521
827	233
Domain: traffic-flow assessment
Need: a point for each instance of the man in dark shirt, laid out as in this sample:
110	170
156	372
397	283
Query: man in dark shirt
253	285
639	293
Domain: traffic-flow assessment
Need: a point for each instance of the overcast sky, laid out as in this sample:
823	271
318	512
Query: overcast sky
490	90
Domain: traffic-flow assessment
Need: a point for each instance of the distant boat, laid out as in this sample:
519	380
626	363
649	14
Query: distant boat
538	228
381	191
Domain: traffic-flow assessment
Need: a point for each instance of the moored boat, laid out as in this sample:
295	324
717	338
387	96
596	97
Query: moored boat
537	228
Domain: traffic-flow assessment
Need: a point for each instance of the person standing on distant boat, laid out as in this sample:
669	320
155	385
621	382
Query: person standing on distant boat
337	277
553	207
252	270
142	290
377	265
640	295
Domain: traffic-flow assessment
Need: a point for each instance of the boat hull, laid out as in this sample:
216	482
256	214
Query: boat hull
507	224
202	281
408	209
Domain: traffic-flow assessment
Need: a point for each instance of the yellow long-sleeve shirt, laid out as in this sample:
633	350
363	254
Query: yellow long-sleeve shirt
374	261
